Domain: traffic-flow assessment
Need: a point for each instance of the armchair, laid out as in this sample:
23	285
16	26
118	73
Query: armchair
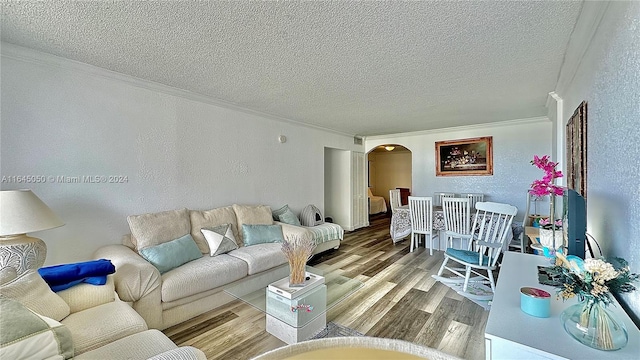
99	324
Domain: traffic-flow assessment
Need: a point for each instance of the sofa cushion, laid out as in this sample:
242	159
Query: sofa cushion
261	234
33	292
100	325
254	215
285	215
27	335
172	254
210	218
220	239
142	345
206	273
260	257
84	296
157	228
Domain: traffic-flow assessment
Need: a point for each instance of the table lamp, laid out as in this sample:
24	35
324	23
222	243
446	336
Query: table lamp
22	212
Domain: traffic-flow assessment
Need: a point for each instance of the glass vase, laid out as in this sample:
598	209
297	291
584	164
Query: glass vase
591	323
297	273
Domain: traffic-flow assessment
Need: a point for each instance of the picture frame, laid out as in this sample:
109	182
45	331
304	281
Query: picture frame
465	157
576	132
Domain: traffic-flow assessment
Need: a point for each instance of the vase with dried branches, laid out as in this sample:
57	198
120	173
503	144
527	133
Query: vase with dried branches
298	251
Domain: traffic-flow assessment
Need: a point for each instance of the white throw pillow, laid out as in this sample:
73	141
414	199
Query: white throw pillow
220	239
158	228
28	335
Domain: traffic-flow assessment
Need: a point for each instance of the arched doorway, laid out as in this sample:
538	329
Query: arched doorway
389	167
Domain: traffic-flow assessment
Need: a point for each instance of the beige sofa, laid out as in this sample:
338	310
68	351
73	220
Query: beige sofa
169	298
82	322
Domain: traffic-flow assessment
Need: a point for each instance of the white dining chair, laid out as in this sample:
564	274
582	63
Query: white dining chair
394	199
437	197
456	213
474	198
421	213
491	227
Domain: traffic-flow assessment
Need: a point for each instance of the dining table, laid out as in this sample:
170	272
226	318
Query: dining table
401	222
400	226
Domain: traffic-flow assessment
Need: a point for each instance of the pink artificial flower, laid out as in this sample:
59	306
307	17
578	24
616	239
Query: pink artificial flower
545	186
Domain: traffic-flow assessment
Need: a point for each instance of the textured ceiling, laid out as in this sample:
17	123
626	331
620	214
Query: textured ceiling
365	68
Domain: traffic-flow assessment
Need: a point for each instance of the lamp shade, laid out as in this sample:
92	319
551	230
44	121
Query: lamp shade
21	212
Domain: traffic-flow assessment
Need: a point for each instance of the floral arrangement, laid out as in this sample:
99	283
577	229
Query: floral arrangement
298	251
594	279
545	186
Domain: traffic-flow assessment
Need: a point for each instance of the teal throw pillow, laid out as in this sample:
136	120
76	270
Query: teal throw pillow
276	213
261	234
285	215
290	218
172	254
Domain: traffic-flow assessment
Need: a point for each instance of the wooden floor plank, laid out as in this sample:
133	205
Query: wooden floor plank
455	340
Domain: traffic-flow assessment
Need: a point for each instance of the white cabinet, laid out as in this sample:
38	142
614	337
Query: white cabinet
512	334
345	188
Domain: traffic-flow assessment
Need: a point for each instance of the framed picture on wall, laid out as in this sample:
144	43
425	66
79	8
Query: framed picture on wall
465	157
577	150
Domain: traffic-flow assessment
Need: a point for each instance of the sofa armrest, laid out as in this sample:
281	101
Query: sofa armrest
83	296
181	353
291	231
136	281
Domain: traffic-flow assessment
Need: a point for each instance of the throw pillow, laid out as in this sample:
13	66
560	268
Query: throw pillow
157	228
254	215
32	291
285	215
276	213
172	254
210	218
27	335
261	234
220	239
290	218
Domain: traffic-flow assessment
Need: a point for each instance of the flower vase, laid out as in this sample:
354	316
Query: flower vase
591	323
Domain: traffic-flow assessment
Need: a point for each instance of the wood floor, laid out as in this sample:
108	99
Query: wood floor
399	300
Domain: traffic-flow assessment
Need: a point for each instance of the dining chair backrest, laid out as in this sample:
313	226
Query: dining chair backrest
474	198
491	227
437	197
456	213
421	213
394	199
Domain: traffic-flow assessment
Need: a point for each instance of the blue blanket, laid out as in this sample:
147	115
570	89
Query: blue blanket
60	277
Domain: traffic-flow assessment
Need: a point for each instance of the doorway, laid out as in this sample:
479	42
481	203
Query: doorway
389	167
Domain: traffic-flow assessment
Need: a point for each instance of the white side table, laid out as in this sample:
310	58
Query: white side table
297	319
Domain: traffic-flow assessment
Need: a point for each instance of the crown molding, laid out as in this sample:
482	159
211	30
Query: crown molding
462	128
24	54
581	38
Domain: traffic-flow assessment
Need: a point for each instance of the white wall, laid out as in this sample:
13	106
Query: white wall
607	76
514	145
61	118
